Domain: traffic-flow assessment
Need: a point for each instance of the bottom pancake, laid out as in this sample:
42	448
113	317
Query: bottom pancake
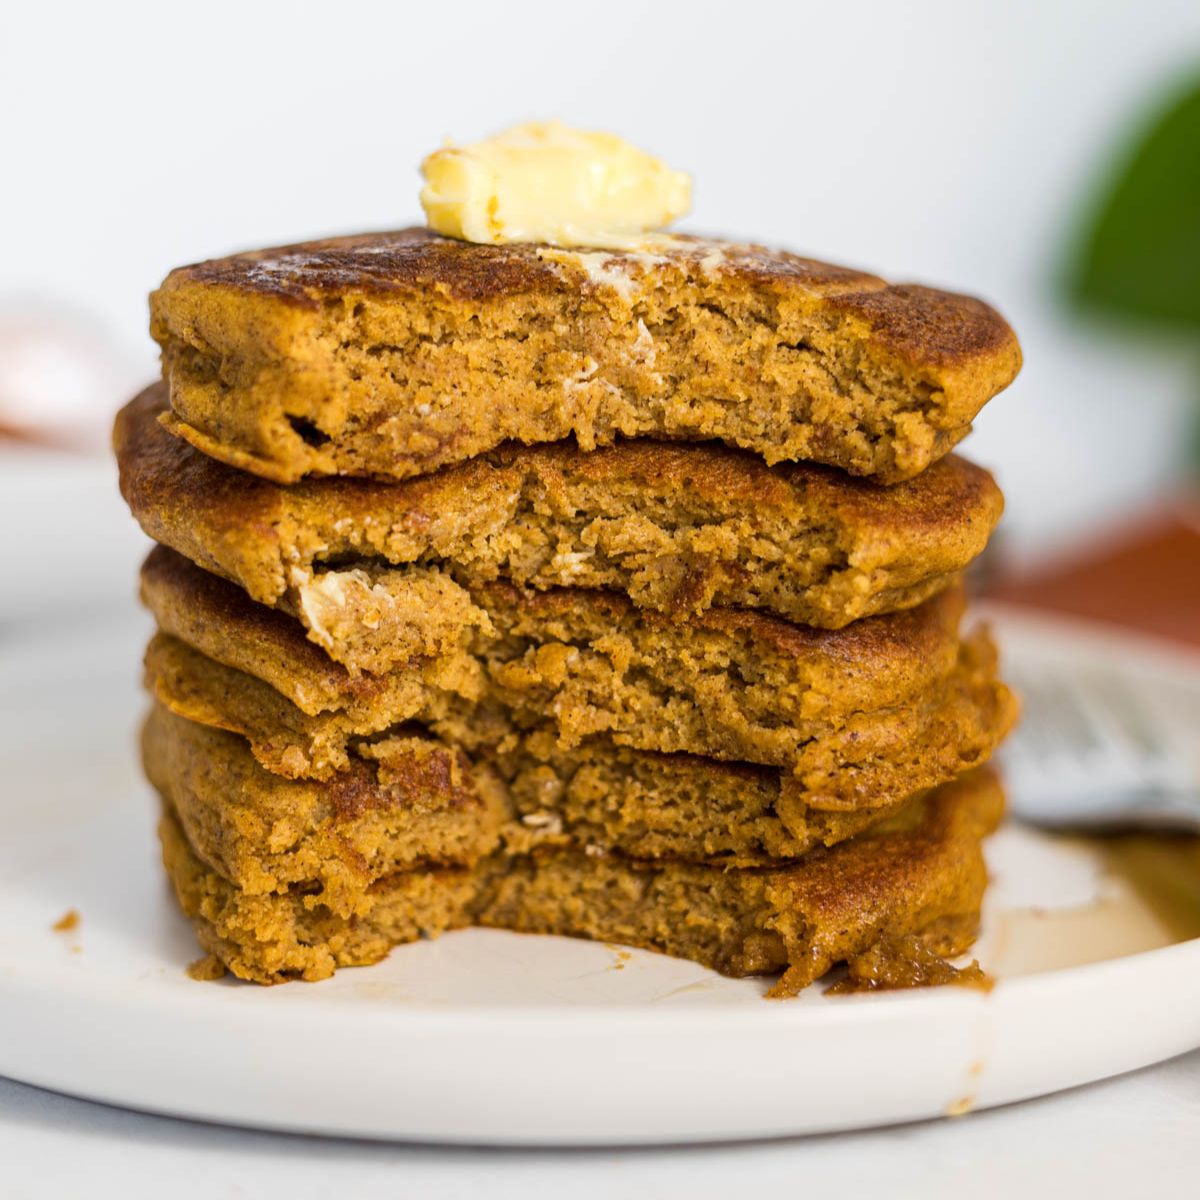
274	938
405	801
892	903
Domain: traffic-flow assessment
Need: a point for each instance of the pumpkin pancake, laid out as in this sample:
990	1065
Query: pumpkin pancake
677	528
273	937
403	802
865	766
866	715
393	354
408	800
892	904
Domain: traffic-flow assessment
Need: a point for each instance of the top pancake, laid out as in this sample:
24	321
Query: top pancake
392	354
679	529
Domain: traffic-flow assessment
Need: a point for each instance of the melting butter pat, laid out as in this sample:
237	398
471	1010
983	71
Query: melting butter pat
546	182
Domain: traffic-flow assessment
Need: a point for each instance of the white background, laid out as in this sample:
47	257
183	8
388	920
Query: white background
950	142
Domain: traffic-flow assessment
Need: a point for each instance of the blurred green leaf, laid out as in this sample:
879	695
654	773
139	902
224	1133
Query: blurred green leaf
1140	256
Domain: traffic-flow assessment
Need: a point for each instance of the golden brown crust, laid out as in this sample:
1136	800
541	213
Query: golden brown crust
922	882
390	355
924	325
679	529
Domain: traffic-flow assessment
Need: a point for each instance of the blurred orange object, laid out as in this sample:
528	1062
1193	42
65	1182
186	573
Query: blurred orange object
1145	577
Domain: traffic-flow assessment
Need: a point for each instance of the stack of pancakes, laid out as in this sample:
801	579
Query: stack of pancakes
605	594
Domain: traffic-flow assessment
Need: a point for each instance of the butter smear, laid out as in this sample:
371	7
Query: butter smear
546	182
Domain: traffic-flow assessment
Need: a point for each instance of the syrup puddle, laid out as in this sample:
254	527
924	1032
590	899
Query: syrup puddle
1146	895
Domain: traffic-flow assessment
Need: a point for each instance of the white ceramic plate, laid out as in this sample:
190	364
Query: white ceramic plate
485	1036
